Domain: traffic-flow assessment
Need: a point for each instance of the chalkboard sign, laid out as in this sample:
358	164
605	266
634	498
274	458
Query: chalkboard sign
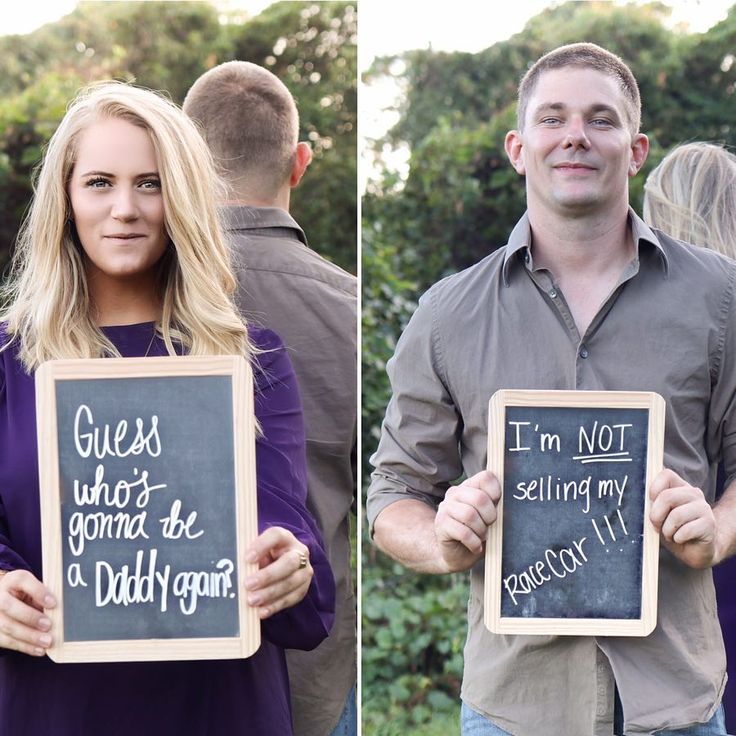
148	500
572	550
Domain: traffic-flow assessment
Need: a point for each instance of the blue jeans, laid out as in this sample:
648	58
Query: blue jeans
348	723
474	724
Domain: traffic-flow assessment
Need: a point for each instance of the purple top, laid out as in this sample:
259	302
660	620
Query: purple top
39	697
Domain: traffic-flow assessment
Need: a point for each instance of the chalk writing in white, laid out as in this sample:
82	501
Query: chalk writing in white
559	564
173	527
94	439
598	443
119	495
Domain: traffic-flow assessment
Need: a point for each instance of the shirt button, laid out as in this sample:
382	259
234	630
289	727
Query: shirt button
553	293
583	352
526	257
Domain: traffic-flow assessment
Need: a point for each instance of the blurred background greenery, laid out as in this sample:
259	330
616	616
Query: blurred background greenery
311	46
456	202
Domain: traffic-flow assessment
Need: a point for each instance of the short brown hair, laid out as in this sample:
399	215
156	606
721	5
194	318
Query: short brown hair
590	56
250	122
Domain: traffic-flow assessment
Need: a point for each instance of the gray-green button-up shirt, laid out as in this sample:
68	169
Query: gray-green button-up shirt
668	326
311	304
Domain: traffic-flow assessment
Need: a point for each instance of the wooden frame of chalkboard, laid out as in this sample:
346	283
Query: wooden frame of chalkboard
143	549
572	550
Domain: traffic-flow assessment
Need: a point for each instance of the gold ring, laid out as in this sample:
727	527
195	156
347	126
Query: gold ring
302	560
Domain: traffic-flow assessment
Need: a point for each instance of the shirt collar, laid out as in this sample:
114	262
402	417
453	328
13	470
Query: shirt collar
244	217
518	248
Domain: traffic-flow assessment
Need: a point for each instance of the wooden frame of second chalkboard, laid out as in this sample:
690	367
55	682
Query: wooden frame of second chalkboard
243	431
645	623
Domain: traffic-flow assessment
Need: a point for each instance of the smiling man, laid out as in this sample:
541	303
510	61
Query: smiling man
611	305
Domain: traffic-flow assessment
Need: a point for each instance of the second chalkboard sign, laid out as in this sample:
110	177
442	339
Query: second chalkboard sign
148	499
572	550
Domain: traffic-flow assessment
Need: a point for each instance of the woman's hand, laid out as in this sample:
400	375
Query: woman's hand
23	625
284	575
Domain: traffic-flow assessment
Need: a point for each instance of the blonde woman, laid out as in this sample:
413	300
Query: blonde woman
122	255
691	196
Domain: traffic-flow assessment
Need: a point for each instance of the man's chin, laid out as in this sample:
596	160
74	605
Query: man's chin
581	205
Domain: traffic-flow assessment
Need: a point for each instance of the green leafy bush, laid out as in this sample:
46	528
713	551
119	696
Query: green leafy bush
414	629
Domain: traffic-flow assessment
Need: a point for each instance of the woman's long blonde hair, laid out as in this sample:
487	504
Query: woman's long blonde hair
691	196
49	310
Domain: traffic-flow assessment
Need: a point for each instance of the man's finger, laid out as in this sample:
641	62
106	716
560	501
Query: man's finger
451	530
663	480
670	499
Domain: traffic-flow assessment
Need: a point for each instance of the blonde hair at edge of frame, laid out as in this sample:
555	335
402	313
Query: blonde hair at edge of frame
49	309
250	122
691	196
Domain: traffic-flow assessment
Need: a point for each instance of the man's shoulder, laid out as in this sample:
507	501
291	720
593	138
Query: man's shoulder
695	265
469	284
289	258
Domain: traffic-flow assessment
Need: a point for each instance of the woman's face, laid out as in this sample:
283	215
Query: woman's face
118	208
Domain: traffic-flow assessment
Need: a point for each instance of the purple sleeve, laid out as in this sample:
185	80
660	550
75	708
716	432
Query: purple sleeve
9	558
14	430
282	492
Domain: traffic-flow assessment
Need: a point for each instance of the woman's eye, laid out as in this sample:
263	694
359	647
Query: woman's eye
153	184
97	183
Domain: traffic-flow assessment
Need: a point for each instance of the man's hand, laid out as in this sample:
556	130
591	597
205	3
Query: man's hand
463	519
23	624
684	520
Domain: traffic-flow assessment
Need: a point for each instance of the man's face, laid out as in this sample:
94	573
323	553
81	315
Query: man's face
576	149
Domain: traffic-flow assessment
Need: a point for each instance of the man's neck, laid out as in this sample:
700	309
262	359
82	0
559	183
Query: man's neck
586	257
281	200
581	246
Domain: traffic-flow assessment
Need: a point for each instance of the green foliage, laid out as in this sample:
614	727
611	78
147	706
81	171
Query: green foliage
386	307
166	46
413	625
413	637
27	120
162	45
442	724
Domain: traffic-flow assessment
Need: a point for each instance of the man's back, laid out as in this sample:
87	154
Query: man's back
311	304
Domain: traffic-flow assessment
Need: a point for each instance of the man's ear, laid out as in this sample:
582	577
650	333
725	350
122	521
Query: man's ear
302	159
639	152
514	150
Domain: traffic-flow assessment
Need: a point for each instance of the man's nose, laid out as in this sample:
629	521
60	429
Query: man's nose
576	136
